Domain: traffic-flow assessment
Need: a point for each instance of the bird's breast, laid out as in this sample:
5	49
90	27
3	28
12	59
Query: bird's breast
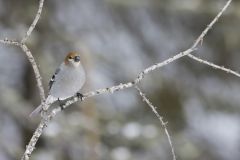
68	83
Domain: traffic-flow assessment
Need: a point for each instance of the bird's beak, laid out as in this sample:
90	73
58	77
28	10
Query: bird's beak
77	58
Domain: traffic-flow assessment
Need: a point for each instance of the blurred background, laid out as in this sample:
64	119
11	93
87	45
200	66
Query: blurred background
117	39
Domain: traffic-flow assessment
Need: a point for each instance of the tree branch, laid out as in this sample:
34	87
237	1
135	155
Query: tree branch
46	119
213	65
35	69
34	23
28	53
200	38
164	124
10	42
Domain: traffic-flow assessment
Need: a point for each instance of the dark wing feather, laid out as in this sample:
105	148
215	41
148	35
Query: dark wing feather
52	80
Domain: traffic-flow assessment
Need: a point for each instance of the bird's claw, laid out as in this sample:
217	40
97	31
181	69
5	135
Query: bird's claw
60	104
80	95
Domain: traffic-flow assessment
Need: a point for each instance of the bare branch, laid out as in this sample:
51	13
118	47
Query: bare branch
200	38
37	133
164	124
156	66
34	23
28	53
188	51
32	61
35	69
213	65
31	146
10	42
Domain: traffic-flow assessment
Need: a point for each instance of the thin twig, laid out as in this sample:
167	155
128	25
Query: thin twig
31	59
10	42
214	65
156	66
35	137
35	69
34	23
164	124
200	38
33	64
31	146
28	53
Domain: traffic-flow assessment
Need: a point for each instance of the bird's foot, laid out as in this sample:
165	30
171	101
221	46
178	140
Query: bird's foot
61	104
80	96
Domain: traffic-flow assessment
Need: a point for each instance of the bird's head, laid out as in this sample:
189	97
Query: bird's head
72	59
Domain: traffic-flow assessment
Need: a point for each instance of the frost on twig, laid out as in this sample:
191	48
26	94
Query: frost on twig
164	124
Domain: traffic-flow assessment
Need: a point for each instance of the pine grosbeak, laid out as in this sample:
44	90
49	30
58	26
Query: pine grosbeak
67	80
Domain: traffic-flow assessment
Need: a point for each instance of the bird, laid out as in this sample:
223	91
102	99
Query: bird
67	80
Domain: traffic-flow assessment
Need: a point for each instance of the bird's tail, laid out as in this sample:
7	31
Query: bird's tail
44	105
36	111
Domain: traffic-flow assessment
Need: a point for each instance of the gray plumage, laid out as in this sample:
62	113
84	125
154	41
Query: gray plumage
67	80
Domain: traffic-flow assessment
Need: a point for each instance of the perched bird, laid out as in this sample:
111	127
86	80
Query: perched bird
67	80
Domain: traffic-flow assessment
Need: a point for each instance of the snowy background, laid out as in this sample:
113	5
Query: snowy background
117	39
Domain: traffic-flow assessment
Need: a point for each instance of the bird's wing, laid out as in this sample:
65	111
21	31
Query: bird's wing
52	80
